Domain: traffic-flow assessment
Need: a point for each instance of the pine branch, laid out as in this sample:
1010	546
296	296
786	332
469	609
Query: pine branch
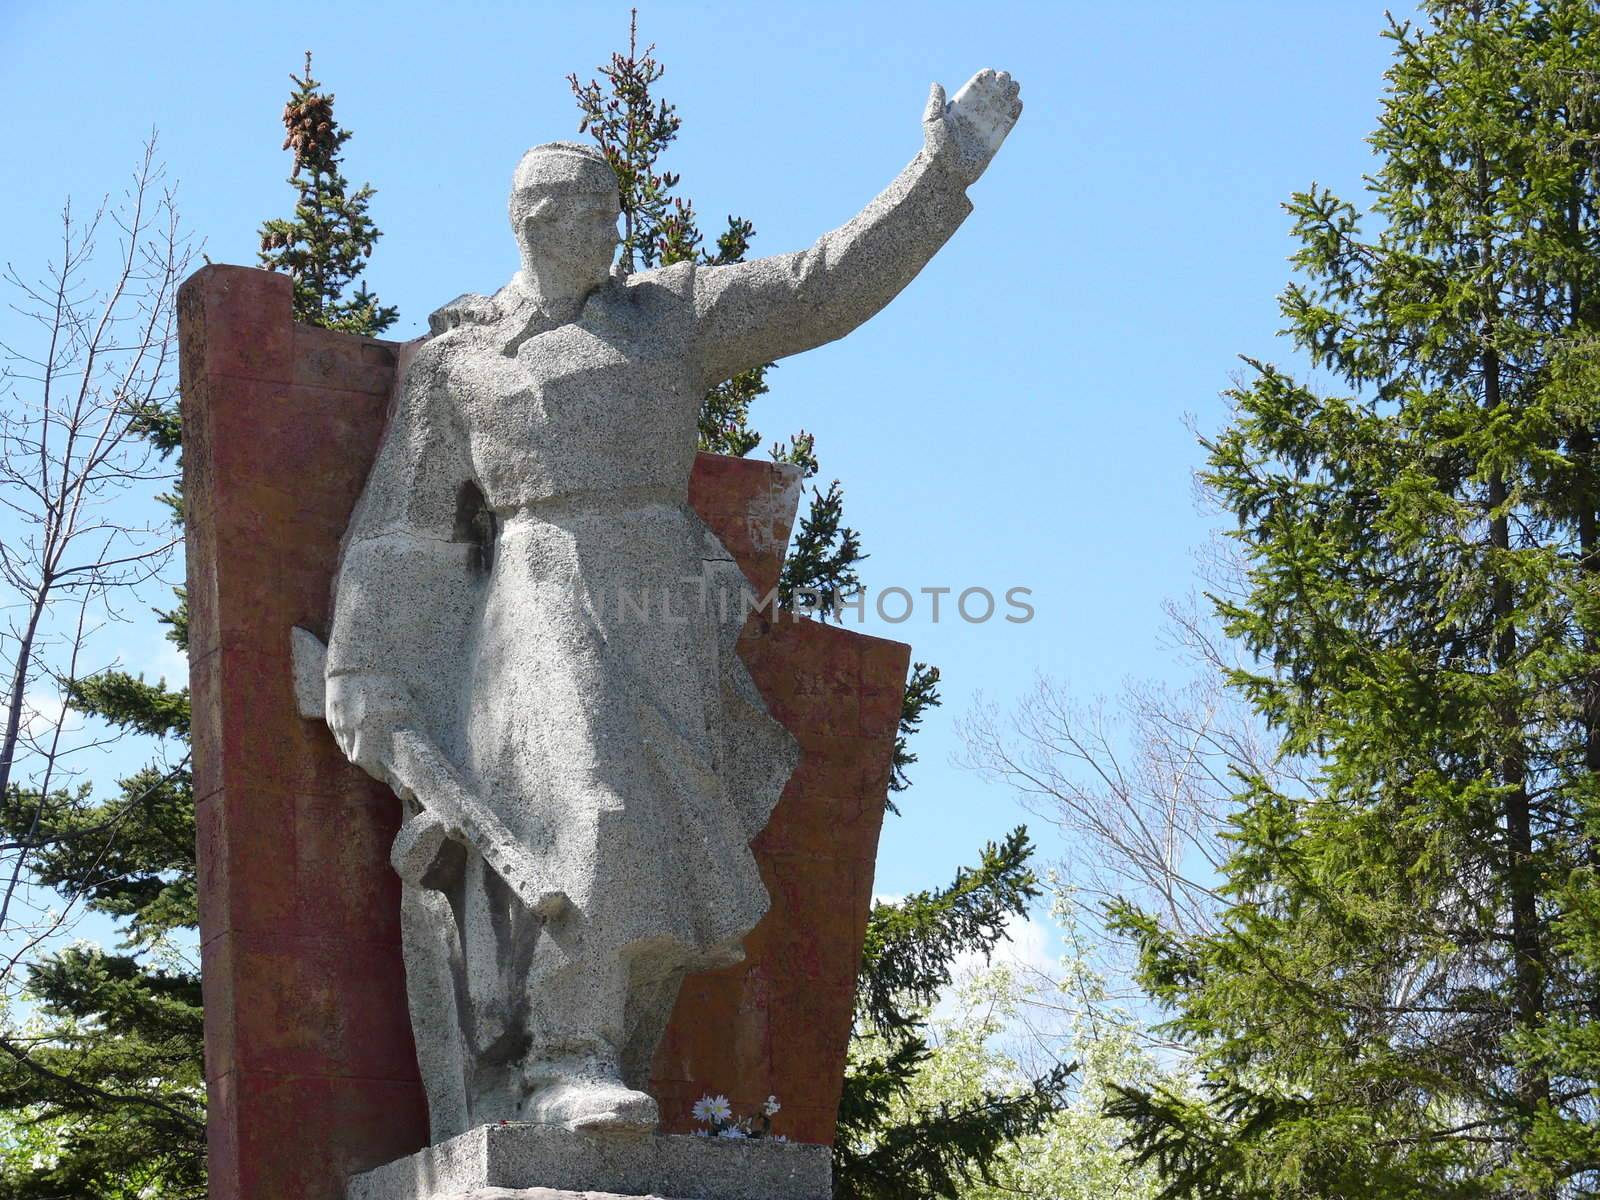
911	944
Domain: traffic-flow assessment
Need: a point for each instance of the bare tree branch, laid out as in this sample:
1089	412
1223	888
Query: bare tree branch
72	466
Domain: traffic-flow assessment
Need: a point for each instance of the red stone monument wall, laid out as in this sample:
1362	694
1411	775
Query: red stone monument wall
310	1067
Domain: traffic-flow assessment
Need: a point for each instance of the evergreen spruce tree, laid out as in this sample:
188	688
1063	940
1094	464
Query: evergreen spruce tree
1402	998
112	1064
327	243
881	1152
888	1147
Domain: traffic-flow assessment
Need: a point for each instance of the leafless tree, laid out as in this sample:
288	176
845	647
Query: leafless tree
1140	787
89	359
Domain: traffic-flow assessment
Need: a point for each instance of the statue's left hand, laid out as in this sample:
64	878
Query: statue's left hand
965	133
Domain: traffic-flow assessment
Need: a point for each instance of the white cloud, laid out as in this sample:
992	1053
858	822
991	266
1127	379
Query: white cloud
165	662
40	712
1027	947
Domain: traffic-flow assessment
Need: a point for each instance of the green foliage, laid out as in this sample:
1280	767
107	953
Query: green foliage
1400	999
922	693
326	245
911	944
893	1142
934	1148
103	1089
725	411
632	130
33	1163
105	1086
820	570
999	1016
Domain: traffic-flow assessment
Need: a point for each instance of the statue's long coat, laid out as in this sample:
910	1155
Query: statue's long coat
525	561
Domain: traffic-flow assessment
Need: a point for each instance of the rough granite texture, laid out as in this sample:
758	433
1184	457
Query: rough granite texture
308	1042
534	636
514	1157
308	1039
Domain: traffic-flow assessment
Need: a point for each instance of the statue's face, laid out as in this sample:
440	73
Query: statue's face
576	235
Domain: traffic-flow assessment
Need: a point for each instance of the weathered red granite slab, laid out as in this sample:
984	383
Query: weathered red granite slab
310	1066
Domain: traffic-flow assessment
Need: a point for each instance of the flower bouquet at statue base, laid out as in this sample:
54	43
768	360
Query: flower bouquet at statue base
717	1115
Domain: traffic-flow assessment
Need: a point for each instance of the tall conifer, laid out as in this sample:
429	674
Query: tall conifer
1402	999
326	244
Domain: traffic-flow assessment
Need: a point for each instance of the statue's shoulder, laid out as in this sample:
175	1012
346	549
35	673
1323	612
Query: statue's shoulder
676	281
468	310
498	322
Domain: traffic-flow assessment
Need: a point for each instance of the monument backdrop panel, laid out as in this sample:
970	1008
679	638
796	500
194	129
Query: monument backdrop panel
310	1064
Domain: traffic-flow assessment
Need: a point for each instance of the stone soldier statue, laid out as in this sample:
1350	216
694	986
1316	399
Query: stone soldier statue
583	775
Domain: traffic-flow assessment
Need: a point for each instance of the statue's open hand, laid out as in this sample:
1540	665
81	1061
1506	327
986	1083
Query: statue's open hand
965	133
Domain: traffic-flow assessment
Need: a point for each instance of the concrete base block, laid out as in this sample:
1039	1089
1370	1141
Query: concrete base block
549	1162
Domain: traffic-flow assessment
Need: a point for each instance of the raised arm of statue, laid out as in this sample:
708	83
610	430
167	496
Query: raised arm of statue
753	312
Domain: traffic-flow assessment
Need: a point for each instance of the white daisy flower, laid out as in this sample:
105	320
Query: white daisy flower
771	1107
733	1131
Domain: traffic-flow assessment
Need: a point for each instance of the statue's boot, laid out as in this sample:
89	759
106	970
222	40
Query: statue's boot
591	1104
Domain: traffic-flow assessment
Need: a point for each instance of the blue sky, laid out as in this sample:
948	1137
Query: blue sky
1015	419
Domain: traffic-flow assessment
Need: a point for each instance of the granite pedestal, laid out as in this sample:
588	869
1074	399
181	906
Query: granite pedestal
536	1162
